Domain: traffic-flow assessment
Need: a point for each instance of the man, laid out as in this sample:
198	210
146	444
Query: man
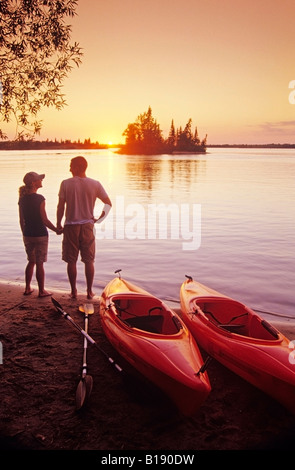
77	197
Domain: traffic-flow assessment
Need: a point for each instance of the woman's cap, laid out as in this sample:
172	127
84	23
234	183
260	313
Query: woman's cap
30	177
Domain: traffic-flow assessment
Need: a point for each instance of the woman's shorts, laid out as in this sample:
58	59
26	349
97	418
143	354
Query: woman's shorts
36	249
78	238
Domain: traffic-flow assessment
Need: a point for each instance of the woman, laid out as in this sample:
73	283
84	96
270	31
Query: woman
33	222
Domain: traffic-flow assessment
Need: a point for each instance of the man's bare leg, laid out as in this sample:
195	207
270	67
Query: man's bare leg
89	274
72	275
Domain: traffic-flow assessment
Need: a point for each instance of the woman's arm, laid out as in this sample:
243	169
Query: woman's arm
45	219
21	219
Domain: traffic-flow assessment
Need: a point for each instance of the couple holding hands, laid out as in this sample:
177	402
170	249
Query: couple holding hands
77	197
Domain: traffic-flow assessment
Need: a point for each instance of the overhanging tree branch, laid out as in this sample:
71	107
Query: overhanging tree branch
36	56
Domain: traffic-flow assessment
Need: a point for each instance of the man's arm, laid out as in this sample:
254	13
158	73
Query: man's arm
60	212
105	210
106	200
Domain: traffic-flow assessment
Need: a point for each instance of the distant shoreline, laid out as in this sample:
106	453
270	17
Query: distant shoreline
68	145
53	145
249	146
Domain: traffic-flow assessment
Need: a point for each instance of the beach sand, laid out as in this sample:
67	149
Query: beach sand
42	359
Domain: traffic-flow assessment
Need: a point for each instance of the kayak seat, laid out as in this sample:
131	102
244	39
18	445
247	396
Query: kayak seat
233	328
150	323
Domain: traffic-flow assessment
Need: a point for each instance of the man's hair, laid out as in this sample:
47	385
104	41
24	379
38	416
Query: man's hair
80	163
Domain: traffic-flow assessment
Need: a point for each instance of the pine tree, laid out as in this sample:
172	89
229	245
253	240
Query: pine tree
171	141
144	136
196	137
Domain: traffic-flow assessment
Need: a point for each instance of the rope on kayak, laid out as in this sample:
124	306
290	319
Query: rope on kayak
273	314
167	299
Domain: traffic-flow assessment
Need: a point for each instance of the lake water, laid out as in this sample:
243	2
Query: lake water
225	218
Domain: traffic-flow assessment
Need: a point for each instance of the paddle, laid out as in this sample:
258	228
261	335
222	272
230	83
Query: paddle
83	332
86	383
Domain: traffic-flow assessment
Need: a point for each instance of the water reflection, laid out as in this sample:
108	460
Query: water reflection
247	247
186	172
148	173
143	172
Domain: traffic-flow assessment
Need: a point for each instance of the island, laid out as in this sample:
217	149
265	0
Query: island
144	137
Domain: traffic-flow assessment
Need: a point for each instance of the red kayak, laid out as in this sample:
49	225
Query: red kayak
237	337
155	341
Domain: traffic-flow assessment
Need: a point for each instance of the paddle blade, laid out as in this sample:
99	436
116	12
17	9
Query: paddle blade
57	305
80	394
83	391
89	385
88	309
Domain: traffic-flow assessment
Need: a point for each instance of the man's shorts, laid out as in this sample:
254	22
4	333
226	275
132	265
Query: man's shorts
36	249
78	238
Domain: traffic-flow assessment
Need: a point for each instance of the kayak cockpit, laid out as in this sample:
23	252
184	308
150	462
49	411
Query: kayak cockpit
235	317
145	313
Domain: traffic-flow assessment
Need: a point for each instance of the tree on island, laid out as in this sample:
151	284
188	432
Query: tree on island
36	55
144	137
187	141
172	138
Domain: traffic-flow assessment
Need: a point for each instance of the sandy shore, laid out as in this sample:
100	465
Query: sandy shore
42	358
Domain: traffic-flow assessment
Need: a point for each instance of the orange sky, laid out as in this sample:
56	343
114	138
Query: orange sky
226	64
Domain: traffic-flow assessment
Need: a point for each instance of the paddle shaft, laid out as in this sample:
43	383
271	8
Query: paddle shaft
84	333
85	385
84	366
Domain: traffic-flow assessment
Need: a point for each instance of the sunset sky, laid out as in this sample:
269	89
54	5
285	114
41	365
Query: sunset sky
226	64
